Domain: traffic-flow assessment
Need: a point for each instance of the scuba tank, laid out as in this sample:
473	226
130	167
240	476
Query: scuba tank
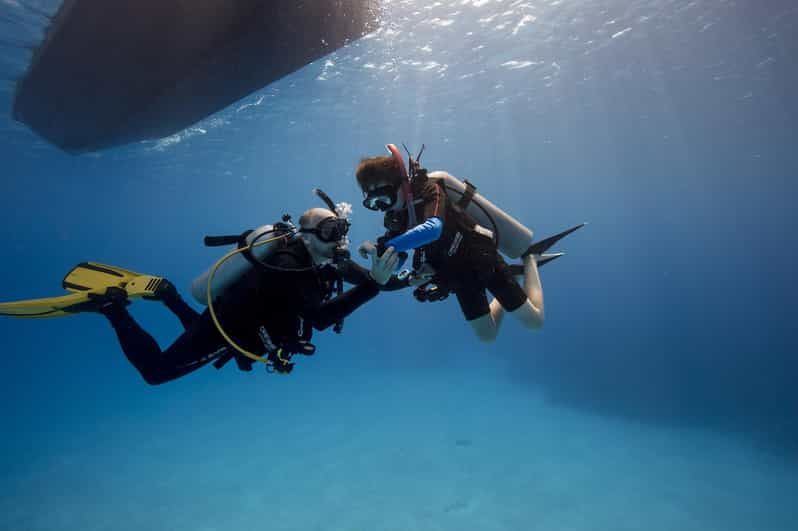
236	266
511	237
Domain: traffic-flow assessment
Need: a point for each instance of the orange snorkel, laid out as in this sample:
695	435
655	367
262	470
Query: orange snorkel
407	188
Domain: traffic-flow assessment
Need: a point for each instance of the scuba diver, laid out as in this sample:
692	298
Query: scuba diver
264	298
458	237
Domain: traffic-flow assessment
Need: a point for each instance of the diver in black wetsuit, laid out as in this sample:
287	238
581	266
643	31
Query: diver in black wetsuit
271	311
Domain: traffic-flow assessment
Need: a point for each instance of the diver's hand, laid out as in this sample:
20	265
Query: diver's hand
422	276
382	267
365	249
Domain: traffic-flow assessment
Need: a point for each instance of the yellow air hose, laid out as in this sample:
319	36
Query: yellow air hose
216	322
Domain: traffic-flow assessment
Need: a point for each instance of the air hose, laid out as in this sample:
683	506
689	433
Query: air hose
212	312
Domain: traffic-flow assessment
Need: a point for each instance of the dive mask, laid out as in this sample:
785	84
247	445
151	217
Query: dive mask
330	229
380	198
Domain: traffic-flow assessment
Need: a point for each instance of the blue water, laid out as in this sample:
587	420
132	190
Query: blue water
658	396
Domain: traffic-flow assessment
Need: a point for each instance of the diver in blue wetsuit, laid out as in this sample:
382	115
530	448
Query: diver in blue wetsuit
452	250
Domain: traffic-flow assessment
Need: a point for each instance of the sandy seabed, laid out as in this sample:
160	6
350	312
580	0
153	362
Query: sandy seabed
462	453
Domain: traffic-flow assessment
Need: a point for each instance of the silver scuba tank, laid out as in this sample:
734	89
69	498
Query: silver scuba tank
512	238
237	265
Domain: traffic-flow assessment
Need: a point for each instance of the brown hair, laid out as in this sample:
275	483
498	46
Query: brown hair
378	170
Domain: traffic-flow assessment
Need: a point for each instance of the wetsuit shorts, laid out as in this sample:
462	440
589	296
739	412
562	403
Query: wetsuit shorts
470	287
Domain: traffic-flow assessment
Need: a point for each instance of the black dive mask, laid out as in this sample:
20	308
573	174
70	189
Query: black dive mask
330	229
380	198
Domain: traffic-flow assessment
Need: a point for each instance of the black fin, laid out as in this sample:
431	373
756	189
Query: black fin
544	245
518	269
546	258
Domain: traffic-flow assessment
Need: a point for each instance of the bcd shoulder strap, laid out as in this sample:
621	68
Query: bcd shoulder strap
467	196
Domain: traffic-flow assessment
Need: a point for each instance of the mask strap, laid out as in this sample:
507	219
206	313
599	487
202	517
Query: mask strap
406	185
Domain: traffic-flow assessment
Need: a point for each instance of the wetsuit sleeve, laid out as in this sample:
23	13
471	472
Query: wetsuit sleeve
355	273
418	236
430	227
332	311
308	298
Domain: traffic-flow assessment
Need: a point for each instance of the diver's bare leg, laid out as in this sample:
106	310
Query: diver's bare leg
497	312
530	314
485	328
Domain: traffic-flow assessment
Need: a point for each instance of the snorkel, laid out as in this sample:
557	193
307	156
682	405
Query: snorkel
407	188
327	201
